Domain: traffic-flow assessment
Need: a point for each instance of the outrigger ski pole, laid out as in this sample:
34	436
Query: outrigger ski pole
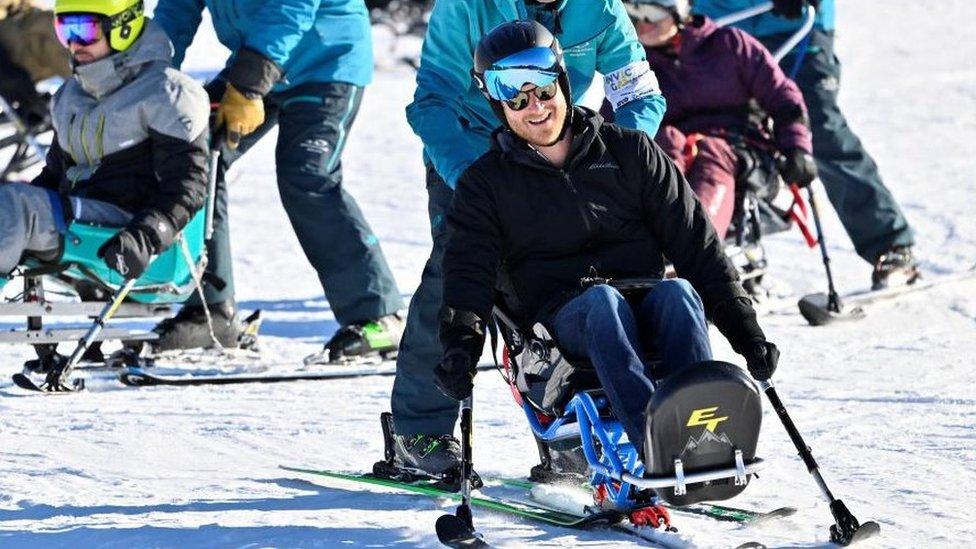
58	376
819	309
457	530
846	529
833	300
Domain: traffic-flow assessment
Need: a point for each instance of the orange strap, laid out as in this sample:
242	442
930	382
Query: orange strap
690	150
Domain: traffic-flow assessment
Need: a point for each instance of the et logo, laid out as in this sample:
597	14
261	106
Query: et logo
706	417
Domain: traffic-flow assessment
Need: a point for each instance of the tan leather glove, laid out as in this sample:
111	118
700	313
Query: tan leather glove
239	115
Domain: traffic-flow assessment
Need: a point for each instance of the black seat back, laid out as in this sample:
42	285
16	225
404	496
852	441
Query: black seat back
701	415
545	378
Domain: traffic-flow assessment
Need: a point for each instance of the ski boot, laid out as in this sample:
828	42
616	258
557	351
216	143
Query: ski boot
561	462
435	458
189	330
371	341
896	267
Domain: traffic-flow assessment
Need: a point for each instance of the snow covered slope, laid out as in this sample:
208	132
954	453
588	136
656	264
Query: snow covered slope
888	404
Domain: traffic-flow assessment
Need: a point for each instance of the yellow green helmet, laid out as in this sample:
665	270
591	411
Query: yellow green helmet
123	20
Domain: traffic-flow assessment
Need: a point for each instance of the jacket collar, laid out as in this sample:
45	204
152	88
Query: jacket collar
695	33
689	39
520	9
106	75
584	127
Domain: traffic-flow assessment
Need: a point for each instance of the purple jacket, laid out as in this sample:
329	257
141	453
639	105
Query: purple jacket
709	81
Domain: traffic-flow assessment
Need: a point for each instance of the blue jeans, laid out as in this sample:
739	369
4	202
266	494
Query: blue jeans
601	326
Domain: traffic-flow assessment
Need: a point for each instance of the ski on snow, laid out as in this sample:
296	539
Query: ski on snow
710	510
137	376
538	511
142	377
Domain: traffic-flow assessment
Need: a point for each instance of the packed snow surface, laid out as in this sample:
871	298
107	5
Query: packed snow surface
887	404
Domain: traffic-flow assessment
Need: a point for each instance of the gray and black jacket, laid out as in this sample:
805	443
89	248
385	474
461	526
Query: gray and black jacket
132	131
619	206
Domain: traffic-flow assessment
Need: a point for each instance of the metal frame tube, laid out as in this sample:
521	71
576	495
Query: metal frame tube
810	16
22	128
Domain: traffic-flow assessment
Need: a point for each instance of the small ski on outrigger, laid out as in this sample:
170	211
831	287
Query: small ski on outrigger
824	308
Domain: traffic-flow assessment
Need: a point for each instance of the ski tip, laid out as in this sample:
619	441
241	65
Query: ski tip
452	531
867	530
134	379
783	512
815	310
25	382
862	532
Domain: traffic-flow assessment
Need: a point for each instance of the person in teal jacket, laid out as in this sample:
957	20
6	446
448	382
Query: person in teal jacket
303	65
453	120
870	214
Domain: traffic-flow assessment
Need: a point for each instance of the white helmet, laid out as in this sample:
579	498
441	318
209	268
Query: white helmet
651	10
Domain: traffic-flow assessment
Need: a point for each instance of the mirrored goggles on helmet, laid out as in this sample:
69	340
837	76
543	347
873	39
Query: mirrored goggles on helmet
504	80
81	28
646	13
544	93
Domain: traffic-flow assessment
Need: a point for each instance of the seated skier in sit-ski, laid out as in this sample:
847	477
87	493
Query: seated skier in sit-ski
560	193
130	145
714	78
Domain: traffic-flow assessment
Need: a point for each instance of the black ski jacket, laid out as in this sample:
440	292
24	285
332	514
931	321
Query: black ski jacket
619	205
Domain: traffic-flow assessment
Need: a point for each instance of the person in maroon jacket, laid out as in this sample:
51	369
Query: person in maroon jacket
712	78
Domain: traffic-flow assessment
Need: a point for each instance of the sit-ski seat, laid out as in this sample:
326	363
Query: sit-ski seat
169	279
700	419
701	436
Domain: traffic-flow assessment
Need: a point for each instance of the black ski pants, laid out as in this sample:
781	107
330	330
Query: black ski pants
866	207
418	406
313	124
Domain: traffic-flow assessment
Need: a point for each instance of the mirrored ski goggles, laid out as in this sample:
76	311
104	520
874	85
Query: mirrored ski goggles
505	78
544	93
646	13
81	28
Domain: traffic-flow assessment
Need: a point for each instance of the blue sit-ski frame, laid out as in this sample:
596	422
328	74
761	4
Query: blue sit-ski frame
617	455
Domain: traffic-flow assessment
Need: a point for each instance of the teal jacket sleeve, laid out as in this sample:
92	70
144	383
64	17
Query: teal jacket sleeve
629	83
443	85
279	27
180	19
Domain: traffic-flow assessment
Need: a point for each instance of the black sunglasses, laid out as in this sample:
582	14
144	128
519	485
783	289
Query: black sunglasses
543	93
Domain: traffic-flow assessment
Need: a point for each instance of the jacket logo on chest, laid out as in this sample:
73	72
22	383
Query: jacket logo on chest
580	50
604	166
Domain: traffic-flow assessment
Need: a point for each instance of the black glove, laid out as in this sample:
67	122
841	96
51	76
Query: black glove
128	253
454	376
792	9
462	334
252	73
736	319
761	358
798	167
215	90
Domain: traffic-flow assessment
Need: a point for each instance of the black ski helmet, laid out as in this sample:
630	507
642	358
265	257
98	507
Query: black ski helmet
511	38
